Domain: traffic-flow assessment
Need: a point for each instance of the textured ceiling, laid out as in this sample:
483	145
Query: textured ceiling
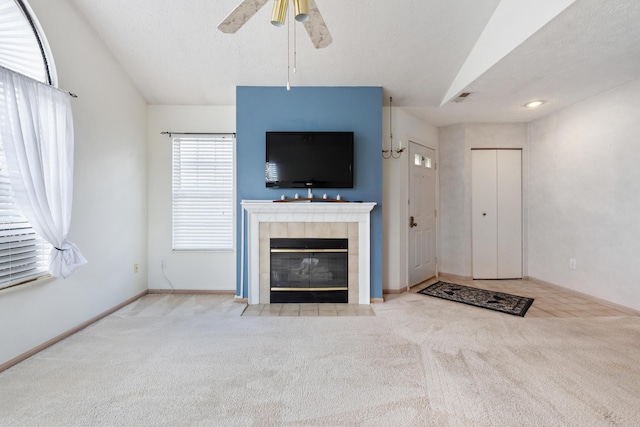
412	48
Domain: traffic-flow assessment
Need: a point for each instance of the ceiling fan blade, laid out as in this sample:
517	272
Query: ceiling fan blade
316	28
240	15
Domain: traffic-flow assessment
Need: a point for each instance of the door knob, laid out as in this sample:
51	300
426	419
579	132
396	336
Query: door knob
412	223
484	214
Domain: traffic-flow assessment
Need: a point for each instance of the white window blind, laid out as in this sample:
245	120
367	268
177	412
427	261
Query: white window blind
203	192
20	48
23	254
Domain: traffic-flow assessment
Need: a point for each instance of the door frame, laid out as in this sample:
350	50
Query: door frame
437	205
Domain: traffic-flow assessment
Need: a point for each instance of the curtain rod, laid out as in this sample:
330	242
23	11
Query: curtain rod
197	133
73	95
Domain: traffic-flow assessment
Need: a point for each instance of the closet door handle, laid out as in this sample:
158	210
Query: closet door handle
412	222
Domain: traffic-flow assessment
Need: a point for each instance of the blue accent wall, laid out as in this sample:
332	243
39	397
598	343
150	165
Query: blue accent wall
358	109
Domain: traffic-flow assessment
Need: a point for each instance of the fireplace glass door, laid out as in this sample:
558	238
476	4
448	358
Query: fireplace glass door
309	270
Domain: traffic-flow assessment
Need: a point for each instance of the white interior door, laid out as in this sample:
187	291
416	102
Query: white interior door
422	211
484	208
509	188
496	206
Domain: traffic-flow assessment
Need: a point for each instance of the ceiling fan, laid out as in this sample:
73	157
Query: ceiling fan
306	11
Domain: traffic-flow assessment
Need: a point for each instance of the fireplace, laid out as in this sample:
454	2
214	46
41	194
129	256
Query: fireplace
308	270
268	220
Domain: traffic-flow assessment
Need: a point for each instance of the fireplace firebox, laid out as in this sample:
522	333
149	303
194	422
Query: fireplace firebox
309	270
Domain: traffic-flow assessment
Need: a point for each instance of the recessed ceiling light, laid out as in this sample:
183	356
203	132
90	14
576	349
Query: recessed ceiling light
534	104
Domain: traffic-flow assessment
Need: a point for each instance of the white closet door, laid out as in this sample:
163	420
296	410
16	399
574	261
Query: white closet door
496	209
509	179
484	207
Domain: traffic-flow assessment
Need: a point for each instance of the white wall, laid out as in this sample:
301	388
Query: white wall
395	186
585	196
455	246
456	143
185	270
109	209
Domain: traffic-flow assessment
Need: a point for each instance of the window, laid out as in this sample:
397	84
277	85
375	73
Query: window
23	47
203	192
418	160
427	162
23	254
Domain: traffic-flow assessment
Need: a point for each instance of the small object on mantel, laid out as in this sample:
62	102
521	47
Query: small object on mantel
283	197
296	196
338	197
312	199
324	196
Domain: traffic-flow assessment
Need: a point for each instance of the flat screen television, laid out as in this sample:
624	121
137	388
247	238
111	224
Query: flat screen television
309	160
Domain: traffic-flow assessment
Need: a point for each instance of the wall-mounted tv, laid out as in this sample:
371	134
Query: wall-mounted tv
309	160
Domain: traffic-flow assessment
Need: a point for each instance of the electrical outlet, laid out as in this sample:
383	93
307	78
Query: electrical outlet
572	264
135	268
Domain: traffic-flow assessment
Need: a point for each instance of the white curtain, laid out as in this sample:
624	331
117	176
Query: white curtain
37	137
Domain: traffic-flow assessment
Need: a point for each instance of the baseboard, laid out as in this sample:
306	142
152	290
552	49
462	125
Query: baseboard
394	291
241	300
586	296
68	333
376	300
454	276
192	291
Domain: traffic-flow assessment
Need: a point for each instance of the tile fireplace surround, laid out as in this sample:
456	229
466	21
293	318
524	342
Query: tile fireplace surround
267	219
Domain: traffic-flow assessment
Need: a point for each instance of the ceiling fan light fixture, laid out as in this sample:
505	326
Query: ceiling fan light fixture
279	12
301	9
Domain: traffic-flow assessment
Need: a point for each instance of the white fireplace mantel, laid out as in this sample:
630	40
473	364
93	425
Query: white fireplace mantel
268	211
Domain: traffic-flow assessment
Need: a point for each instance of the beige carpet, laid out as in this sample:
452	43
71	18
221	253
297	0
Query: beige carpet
175	360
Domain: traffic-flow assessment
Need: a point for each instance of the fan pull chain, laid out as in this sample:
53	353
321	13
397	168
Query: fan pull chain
288	49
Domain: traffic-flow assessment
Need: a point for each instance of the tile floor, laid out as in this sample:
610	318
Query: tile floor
325	309
548	301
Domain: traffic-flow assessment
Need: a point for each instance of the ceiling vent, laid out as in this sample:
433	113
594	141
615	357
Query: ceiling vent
461	97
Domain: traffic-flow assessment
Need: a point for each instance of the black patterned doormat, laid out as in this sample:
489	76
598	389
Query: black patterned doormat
497	301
